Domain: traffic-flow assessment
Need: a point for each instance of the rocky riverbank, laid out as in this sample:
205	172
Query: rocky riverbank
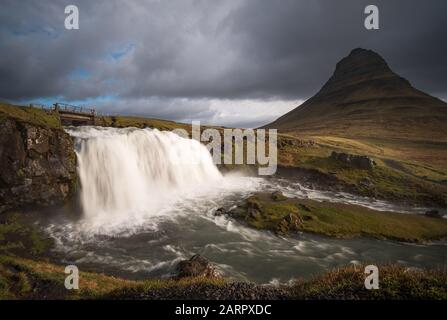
37	160
284	216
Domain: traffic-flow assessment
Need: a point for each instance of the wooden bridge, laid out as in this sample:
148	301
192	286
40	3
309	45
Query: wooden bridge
74	115
71	115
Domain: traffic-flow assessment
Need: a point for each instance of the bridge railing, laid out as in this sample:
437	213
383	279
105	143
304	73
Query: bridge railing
76	109
41	106
71	108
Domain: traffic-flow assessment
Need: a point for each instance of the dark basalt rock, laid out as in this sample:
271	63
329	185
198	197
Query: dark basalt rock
354	161
220	212
37	165
433	214
197	266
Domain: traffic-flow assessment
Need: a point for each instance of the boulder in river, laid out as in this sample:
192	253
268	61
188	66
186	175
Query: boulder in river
197	266
278	196
220	212
291	222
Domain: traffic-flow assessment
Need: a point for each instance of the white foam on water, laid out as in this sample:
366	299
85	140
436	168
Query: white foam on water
148	199
133	177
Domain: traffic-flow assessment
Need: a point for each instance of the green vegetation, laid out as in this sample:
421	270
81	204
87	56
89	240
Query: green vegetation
30	279
34	277
396	283
35	116
140	122
17	237
367	109
27	279
261	211
25	273
50	119
407	171
414	173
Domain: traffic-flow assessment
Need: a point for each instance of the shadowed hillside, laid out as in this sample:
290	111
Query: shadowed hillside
365	98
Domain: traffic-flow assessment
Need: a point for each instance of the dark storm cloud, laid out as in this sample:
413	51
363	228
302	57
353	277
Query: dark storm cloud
170	58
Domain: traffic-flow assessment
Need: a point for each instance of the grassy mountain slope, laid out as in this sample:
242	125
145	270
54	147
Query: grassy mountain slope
365	98
367	109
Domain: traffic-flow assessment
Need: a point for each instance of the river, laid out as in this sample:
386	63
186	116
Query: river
147	201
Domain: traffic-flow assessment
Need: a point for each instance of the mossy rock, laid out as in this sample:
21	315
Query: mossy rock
278	196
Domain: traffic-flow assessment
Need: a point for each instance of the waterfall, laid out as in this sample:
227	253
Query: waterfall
137	170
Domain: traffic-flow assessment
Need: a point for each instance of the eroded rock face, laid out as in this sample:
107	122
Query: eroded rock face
197	266
37	165
354	161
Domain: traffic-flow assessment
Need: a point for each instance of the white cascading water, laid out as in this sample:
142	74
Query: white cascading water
147	206
130	171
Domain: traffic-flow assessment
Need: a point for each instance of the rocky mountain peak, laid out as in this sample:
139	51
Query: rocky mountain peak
360	61
362	67
364	97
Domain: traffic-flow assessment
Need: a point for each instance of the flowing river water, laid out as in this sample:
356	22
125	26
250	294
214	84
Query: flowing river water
148	199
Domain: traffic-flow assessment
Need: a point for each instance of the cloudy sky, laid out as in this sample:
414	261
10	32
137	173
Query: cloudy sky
228	62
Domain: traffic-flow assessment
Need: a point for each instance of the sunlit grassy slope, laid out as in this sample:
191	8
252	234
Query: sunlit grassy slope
406	171
33	116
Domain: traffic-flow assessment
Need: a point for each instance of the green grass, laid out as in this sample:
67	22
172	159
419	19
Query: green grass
29	279
141	122
44	118
33	279
406	172
50	119
17	237
341	220
385	182
395	283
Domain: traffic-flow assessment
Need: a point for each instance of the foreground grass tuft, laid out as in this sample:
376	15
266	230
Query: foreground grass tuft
396	282
28	279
